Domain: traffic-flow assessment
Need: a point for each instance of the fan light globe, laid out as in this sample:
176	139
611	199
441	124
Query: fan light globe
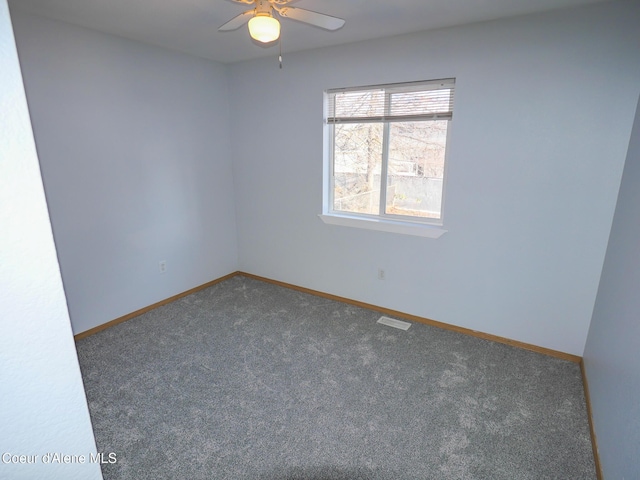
264	28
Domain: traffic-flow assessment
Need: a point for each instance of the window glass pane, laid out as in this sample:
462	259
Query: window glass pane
421	103
416	168
368	103
357	167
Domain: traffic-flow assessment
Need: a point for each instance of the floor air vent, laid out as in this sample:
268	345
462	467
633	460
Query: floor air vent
392	322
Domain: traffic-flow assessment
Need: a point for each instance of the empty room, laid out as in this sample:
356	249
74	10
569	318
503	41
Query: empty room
319	239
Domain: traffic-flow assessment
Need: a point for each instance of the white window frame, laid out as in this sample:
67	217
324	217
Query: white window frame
394	223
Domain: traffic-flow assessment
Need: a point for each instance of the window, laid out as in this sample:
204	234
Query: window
386	151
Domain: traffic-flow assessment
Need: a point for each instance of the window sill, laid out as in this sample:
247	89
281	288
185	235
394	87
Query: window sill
384	225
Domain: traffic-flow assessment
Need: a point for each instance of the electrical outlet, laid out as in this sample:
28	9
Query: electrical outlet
381	274
163	266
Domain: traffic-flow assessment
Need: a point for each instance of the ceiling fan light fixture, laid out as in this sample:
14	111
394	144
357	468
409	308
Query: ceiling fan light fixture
264	28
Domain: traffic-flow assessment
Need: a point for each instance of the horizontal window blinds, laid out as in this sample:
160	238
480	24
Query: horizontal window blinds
432	100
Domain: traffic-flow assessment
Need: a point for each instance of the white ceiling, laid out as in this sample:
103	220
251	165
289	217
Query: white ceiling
191	25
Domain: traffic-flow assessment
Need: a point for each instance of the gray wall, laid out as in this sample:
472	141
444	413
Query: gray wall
135	155
533	174
612	353
42	403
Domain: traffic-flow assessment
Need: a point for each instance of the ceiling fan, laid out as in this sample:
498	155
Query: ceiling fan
263	22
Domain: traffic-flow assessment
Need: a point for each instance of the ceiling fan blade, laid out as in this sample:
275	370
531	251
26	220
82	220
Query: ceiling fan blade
314	18
237	22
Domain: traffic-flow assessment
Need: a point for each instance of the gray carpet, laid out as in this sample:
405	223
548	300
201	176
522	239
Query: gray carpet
248	380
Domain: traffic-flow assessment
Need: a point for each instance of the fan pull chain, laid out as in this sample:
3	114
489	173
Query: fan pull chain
280	54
